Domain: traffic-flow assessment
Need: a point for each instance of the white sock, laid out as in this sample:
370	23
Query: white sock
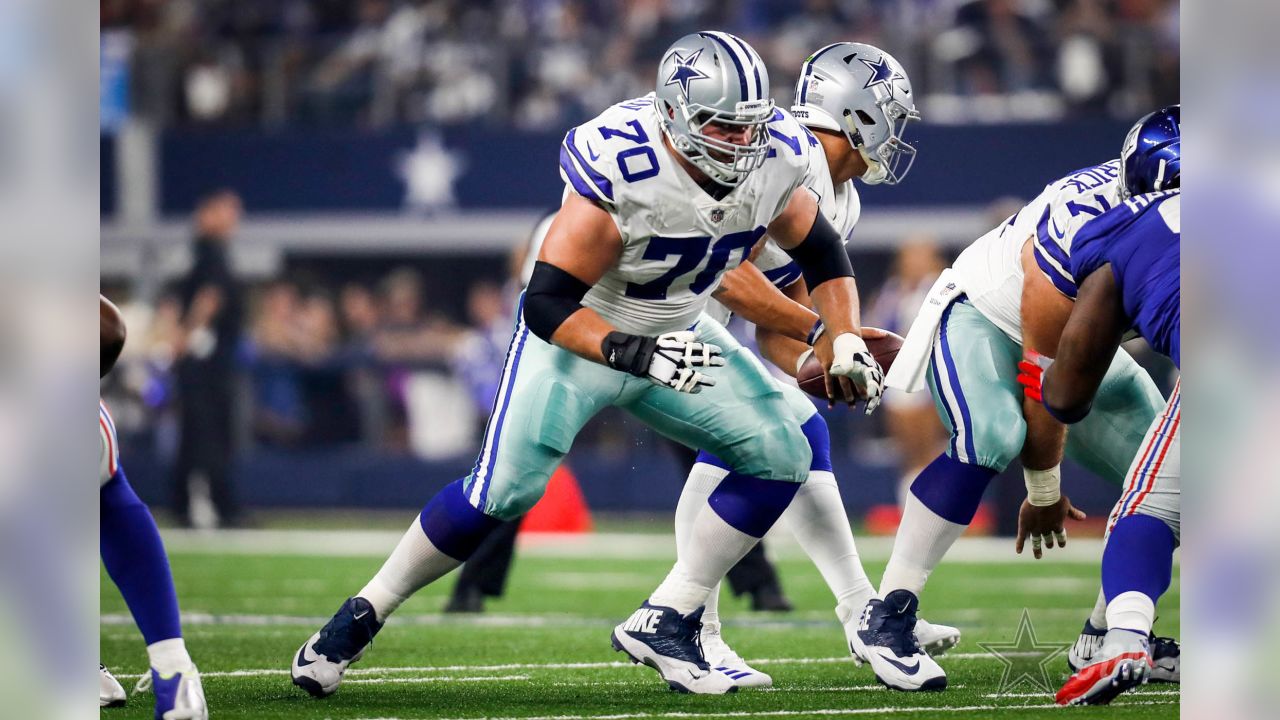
924	537
414	564
1098	618
1131	611
713	547
817	518
169	656
702	481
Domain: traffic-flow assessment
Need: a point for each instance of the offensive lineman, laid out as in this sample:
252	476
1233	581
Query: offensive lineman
669	191
1005	292
855	102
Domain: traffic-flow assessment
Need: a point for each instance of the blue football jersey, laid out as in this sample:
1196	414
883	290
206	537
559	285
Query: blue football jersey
1140	239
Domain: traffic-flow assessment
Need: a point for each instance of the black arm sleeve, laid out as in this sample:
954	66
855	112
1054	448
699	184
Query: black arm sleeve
551	297
821	256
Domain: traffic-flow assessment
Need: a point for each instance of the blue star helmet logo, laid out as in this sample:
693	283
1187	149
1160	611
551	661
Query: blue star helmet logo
881	73
684	72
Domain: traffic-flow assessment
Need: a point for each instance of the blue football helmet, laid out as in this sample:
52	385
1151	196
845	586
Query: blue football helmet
1151	157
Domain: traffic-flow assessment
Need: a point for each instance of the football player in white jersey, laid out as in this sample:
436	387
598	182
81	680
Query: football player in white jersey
135	559
854	101
669	191
1007	291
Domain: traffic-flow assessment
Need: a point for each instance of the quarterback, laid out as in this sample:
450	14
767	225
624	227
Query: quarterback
1008	290
669	191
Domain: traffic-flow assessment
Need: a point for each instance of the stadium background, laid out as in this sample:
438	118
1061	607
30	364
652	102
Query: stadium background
392	157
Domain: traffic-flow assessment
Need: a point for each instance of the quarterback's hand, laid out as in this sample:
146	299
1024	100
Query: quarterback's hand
853	362
1045	525
669	360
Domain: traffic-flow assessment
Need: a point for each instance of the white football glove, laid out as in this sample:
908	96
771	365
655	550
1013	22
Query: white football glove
853	360
675	358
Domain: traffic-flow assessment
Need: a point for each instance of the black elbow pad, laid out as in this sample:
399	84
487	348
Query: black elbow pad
821	256
551	297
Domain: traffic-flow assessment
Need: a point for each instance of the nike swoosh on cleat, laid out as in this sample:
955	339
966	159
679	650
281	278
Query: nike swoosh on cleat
910	670
361	615
302	657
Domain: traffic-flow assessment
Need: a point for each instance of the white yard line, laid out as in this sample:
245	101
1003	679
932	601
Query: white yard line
828	712
358	672
378	543
434	679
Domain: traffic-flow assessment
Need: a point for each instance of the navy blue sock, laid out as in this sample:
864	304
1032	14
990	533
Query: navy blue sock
135	559
1138	557
749	504
453	525
952	489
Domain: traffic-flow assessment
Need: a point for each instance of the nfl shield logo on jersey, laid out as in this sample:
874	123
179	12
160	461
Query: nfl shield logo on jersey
717	215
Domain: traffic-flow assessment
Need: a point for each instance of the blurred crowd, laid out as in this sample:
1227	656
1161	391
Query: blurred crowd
546	64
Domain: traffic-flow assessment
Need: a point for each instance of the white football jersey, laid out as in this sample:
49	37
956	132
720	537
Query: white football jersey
109	454
840	205
991	268
677	241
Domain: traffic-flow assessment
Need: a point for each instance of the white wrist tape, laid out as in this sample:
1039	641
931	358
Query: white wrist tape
1044	487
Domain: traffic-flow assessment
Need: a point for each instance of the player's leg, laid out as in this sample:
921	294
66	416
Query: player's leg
1137	565
545	396
134	557
1106	442
745	420
972	375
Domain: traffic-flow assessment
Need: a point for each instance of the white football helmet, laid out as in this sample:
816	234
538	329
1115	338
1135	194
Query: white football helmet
861	91
714	77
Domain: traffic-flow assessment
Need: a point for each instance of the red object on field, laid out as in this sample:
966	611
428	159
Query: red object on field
884	520
562	508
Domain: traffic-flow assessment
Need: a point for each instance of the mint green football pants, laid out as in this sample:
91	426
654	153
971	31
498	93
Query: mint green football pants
547	394
973	377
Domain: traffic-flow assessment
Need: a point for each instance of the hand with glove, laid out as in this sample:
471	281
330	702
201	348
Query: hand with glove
670	360
854	371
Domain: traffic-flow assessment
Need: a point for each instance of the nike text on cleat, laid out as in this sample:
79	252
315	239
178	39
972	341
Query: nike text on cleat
1120	665
110	691
886	638
323	659
668	642
723	659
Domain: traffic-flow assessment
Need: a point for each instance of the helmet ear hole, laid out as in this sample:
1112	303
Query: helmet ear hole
865	118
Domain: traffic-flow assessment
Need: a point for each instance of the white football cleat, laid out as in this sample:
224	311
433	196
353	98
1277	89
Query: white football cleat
936	639
1085	646
179	695
666	641
1166	654
323	659
723	659
1120	665
886	638
110	691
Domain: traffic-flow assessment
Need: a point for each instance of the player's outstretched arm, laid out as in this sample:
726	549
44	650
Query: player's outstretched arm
582	244
112	335
1089	341
1044	512
815	245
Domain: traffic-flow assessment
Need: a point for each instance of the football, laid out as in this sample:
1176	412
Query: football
885	349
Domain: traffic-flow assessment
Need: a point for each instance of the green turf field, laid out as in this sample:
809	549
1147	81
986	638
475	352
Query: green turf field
543	651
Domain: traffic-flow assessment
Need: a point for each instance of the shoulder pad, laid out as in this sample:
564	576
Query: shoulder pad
618	146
